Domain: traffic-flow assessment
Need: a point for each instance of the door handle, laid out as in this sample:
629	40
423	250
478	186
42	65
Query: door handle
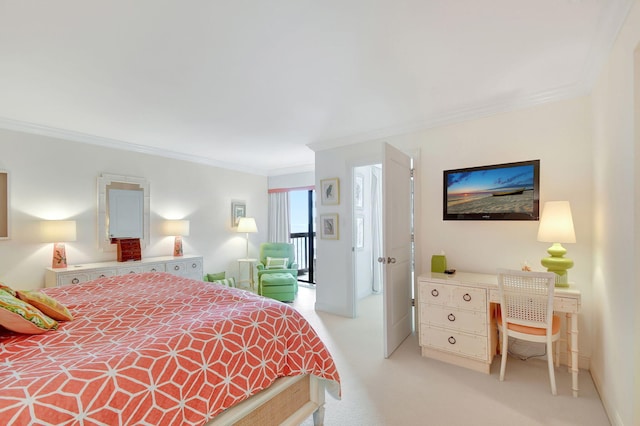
387	260
382	260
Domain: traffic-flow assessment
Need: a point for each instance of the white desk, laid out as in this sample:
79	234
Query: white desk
250	263
470	299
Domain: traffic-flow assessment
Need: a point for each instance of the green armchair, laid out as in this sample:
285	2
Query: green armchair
281	283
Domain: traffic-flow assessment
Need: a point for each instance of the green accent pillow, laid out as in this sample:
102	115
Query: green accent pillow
214	277
229	282
21	317
277	263
47	304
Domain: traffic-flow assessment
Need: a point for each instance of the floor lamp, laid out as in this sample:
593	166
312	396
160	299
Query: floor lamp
248	226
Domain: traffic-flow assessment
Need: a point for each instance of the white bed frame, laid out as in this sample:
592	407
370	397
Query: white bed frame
288	401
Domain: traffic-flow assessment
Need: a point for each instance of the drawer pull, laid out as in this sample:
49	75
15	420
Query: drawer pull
451	317
452	340
132	272
466	297
176	268
194	265
153	269
75	281
435	293
102	276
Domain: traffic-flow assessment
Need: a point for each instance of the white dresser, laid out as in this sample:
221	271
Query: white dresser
455	323
458	321
184	266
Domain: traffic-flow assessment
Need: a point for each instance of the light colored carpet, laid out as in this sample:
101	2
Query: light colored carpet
407	389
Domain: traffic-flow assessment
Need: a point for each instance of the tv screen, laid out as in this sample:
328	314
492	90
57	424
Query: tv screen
509	191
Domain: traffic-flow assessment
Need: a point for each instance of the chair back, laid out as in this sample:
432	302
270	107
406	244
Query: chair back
279	250
526	298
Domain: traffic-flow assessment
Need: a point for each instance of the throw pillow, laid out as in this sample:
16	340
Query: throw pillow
7	289
21	317
229	282
215	277
48	305
277	263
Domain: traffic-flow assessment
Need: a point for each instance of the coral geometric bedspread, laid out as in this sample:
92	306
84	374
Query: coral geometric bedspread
154	349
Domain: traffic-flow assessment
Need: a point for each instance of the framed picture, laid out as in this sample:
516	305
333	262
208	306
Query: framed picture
330	191
358	192
360	232
238	210
329	226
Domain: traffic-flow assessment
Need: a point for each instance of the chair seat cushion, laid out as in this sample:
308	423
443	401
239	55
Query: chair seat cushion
535	331
277	279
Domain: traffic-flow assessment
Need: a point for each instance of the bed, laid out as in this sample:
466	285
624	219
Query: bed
158	349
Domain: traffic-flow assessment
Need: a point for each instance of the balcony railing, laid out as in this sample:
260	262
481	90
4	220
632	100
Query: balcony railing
303	250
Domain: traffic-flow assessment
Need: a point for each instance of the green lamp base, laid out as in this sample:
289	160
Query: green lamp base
558	264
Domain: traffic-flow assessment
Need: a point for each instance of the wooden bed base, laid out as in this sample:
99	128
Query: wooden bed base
288	401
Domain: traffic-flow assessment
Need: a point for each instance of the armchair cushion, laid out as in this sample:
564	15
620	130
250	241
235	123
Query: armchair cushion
277	263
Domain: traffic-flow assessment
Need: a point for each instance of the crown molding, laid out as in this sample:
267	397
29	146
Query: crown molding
476	111
70	135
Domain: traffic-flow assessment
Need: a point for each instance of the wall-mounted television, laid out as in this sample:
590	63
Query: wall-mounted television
509	191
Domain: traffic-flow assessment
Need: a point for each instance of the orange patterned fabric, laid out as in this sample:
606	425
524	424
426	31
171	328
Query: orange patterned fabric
154	349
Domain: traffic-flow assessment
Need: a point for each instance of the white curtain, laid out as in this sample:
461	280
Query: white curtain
279	220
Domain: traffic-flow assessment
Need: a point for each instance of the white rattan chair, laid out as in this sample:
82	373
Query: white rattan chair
526	312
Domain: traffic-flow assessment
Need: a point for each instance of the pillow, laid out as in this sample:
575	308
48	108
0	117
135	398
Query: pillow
229	282
7	289
48	305
215	277
277	263
21	317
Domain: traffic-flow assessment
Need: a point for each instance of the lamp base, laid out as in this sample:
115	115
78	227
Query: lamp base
558	264
177	246
59	259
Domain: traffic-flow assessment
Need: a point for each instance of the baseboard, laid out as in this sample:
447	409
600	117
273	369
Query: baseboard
614	417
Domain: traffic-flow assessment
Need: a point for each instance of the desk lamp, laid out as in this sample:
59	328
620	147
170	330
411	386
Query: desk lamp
247	225
177	229
58	232
556	226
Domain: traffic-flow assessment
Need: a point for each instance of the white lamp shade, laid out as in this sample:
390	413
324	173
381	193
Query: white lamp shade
58	231
247	224
176	228
556	223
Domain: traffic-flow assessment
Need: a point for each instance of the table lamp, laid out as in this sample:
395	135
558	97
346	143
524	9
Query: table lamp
58	232
556	226
247	225
177	229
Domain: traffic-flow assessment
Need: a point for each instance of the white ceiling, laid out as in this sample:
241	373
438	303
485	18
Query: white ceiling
249	85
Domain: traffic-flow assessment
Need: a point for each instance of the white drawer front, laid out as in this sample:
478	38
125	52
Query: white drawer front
102	274
66	279
130	270
469	298
458	343
156	267
436	294
456	319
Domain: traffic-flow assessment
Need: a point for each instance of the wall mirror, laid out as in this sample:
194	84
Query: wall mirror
123	209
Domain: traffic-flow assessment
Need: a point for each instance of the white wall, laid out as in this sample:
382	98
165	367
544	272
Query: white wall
334	273
294	180
56	179
558	134
616	342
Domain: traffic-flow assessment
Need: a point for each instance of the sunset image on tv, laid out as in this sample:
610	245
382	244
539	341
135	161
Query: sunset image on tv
491	190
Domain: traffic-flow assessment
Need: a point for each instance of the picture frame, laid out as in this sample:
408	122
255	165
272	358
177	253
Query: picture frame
359	232
238	210
330	191
329	227
358	192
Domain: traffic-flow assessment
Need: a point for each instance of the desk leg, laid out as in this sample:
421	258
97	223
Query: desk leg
573	347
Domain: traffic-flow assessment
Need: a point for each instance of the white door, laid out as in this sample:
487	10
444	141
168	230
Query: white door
396	202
